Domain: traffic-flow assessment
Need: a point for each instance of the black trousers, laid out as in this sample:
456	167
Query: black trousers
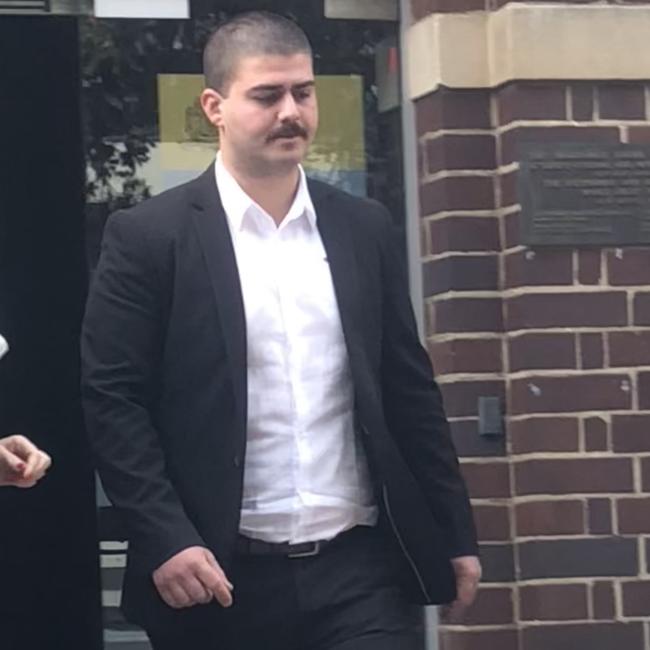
345	598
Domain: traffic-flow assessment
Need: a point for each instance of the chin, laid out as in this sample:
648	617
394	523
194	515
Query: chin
275	165
289	156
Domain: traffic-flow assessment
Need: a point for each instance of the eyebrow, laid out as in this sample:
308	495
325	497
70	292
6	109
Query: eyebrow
274	87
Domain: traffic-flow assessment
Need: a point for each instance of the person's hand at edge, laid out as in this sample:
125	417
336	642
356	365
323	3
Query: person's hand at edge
22	463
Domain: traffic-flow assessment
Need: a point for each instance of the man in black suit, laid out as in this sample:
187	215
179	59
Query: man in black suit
262	411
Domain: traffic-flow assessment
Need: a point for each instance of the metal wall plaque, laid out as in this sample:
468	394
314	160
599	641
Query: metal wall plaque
585	194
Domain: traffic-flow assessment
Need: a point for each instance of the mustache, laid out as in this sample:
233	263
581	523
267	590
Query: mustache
291	130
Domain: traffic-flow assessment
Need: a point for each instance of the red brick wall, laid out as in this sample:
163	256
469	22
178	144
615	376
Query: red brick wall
562	336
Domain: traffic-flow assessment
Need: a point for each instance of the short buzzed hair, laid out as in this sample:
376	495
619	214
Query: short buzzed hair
254	33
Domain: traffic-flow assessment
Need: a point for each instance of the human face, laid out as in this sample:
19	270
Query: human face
269	116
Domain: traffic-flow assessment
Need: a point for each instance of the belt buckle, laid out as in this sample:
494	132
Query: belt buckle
310	553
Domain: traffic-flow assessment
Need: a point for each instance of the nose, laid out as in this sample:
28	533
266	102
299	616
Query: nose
288	108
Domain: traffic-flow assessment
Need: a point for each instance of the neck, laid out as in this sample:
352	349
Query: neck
273	192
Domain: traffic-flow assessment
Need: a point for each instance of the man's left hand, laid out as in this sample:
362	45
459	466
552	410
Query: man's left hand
468	575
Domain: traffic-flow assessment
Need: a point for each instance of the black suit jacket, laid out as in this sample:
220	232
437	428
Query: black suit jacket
164	387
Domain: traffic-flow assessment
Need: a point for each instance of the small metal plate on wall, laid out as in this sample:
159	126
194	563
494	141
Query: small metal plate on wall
362	9
490	416
584	194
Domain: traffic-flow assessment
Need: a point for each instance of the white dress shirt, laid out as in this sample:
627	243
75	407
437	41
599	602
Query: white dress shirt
305	472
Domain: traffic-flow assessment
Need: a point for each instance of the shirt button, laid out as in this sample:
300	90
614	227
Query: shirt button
236	461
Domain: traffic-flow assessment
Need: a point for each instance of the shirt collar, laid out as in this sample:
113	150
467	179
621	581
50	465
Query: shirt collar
236	203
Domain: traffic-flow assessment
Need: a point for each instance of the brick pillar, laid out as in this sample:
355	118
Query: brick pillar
562	336
461	248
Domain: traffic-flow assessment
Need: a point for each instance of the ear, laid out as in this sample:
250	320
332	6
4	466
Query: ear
212	103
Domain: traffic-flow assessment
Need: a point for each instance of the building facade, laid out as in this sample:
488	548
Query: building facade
558	333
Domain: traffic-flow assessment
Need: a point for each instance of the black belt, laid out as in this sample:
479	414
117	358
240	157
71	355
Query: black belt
249	546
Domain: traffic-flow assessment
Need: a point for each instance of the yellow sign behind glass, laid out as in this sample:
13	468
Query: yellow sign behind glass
188	141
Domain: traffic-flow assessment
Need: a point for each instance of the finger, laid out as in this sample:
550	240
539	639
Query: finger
467	589
22	483
215	582
170	590
167	597
178	598
454	612
11	467
212	561
44	462
10	462
196	591
217	587
31	462
21	446
223	594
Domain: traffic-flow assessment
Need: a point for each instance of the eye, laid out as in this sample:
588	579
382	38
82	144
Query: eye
267	99
302	93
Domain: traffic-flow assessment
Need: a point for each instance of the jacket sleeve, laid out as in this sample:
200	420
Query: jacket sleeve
413	404
122	336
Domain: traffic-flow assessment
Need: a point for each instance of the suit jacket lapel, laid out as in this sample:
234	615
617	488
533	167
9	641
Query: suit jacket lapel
216	243
334	228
